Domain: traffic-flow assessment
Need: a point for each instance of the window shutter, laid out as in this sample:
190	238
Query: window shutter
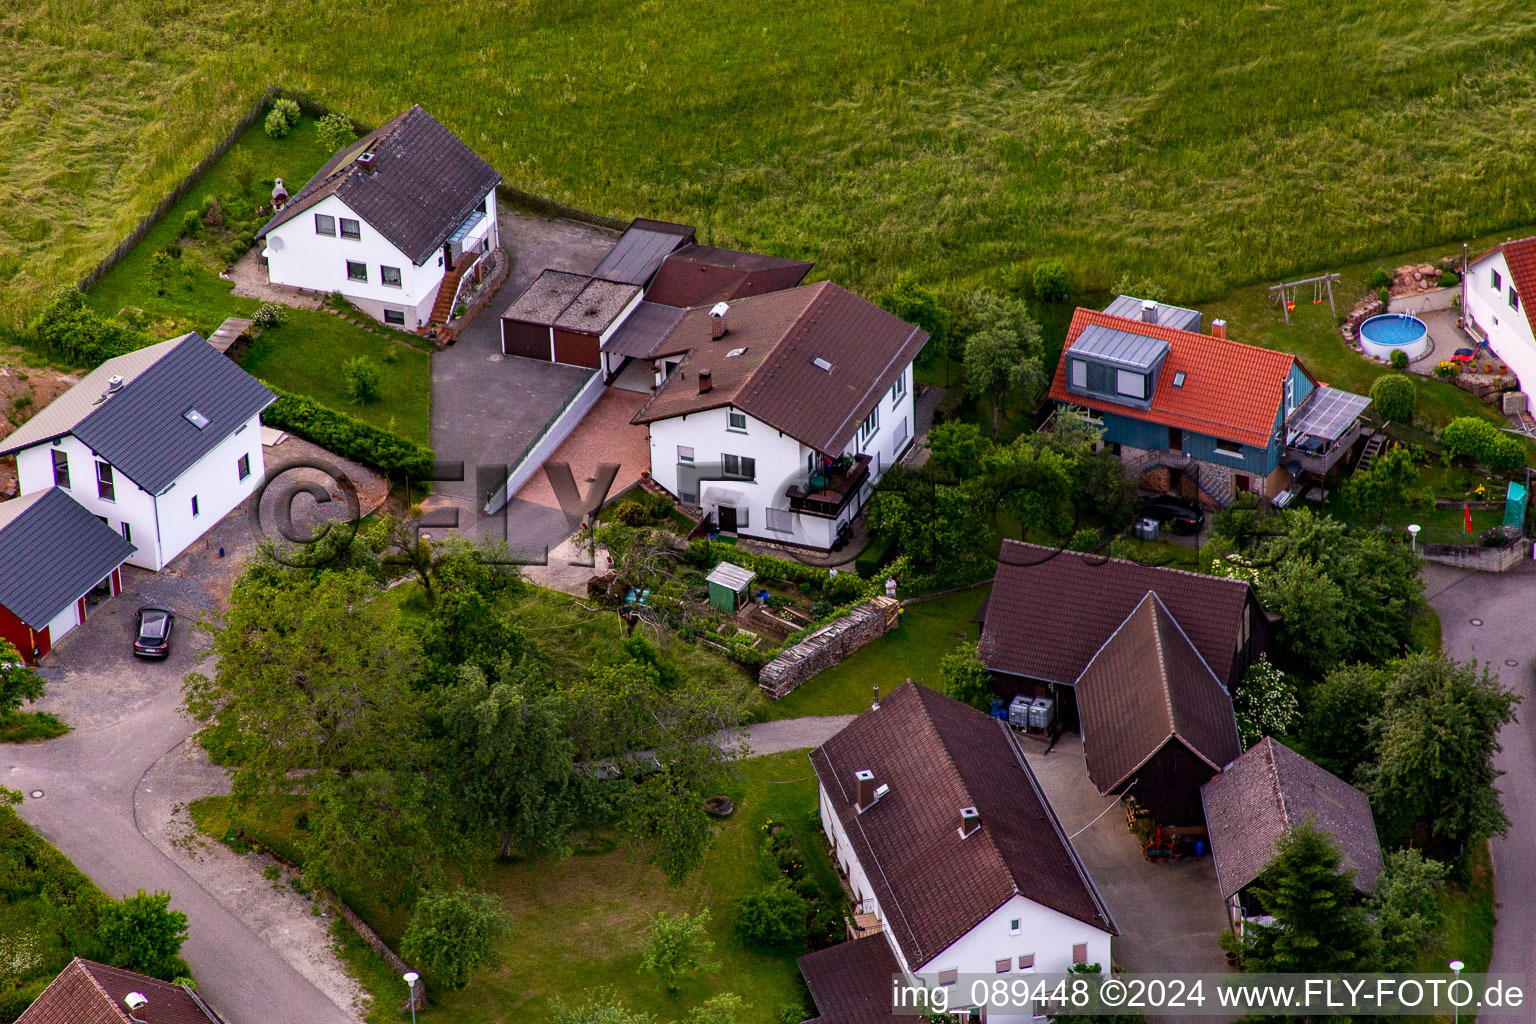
950	976
1004	965
1026	961
1080	953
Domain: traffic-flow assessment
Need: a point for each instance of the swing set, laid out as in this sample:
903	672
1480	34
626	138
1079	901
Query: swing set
1284	293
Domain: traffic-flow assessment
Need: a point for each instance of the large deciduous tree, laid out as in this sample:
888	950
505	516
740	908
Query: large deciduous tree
1003	349
18	683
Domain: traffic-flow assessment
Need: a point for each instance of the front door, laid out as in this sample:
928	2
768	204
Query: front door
1175	439
726	516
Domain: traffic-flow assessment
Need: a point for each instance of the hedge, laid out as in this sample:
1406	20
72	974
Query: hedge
347	437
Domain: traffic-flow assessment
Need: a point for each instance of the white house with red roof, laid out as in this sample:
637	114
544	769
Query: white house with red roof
1497	290
1200	414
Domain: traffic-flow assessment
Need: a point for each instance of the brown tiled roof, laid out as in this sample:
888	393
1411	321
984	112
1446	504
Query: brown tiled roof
776	378
1050	611
422	183
1269	791
938	756
1520	255
1148	686
696	275
851	982
90	993
1230	390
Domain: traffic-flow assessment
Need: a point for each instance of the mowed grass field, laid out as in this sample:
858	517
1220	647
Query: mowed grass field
1201	146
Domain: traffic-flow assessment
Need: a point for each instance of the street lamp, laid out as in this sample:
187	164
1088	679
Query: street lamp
1413	535
1456	966
410	979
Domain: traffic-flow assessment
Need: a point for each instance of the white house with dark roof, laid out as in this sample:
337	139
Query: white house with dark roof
955	856
57	561
777	413
392	222
159	444
1497	291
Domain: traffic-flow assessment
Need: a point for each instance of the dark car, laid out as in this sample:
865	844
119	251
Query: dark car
154	637
1177	514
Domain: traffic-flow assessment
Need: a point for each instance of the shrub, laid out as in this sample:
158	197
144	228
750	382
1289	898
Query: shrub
192	224
966	677
1394	396
1053	281
772	918
1381	277
212	211
1398	359
70	328
631	513
348	437
276	124
1384	295
361	375
242	168
1086	539
1446	369
1470	439
143	934
335	131
270	314
451	934
676	947
1448	278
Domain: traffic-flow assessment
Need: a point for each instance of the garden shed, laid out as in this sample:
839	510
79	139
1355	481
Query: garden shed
728	585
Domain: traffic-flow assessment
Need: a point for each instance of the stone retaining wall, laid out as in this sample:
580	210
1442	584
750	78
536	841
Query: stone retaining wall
1473	556
828	645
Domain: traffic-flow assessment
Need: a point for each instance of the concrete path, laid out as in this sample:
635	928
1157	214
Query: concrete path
792	734
1487	616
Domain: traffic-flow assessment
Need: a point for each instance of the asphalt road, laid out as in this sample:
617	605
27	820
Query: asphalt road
1488	617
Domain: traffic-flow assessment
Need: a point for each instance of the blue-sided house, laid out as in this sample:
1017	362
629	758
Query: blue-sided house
1199	414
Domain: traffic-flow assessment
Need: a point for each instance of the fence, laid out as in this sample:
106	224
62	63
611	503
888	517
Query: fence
556	429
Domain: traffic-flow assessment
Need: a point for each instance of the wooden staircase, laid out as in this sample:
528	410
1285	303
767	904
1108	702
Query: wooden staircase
1372	449
442	309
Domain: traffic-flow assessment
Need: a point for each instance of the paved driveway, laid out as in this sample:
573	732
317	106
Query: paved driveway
1500	604
113	791
485	406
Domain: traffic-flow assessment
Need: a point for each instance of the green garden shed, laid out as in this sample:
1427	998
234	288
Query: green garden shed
728	586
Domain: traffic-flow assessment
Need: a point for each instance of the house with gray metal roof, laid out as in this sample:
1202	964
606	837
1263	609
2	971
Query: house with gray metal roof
394	222
57	561
159	444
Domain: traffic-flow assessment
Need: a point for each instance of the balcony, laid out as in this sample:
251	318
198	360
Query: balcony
827	494
1316	454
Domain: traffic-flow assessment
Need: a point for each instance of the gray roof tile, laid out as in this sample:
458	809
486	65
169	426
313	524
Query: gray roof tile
52	552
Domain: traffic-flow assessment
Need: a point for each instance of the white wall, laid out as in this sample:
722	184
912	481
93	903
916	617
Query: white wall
215	479
319	263
1508	329
781	460
130	503
161	527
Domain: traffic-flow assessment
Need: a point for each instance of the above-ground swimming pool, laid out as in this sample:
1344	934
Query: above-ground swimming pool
1382	335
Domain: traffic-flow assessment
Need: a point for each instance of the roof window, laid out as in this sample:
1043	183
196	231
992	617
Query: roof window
733	353
821	364
195	418
1178	379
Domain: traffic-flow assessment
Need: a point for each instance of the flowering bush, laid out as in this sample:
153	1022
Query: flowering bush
1446	368
1265	703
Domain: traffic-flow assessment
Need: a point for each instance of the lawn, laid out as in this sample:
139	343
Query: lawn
579	923
24	726
928	631
306	354
962	141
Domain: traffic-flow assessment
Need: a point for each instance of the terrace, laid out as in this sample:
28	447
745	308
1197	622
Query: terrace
1323	430
827	493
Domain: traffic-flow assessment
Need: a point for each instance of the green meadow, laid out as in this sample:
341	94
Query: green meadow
1202	146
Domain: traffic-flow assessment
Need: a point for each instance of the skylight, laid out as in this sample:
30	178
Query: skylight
733	353
1178	379
821	364
196	418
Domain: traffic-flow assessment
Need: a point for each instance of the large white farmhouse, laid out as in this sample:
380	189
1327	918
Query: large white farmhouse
159	444
1496	291
777	413
392	223
958	862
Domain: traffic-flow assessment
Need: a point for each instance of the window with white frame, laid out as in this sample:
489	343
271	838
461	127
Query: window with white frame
740	466
901	432
106	487
1514	298
389	276
60	468
1026	961
1498	281
1013	926
357	271
243	466
1004	965
1290	394
736	421
351	229
1229	448
899	388
684	453
325	224
781	520
870	426
396	317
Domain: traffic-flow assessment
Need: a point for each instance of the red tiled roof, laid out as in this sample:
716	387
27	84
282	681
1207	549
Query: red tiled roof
90	993
1269	791
776	379
938	755
1050	611
851	982
1230	390
1146	687
1520	254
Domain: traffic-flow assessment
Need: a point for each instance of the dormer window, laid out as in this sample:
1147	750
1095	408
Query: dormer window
1131	384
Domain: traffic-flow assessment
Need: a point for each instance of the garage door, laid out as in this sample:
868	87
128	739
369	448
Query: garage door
519	338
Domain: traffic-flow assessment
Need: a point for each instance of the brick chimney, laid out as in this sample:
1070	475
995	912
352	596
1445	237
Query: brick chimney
1218	328
706	382
864	788
717	320
970	821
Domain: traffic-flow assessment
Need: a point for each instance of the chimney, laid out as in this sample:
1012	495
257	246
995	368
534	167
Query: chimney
970	821
706	382
864	788
1149	311
1218	328
114	383
717	318
279	194
365	162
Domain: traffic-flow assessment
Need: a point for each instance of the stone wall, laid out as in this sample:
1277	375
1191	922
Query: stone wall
1474	556
828	645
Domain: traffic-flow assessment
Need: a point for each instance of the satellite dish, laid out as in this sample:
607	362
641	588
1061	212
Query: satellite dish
275	243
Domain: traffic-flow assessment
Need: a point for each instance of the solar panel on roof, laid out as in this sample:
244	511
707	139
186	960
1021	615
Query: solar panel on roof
1328	413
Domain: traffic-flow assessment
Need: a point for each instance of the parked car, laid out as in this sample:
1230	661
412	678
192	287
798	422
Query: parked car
154	636
1179	515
